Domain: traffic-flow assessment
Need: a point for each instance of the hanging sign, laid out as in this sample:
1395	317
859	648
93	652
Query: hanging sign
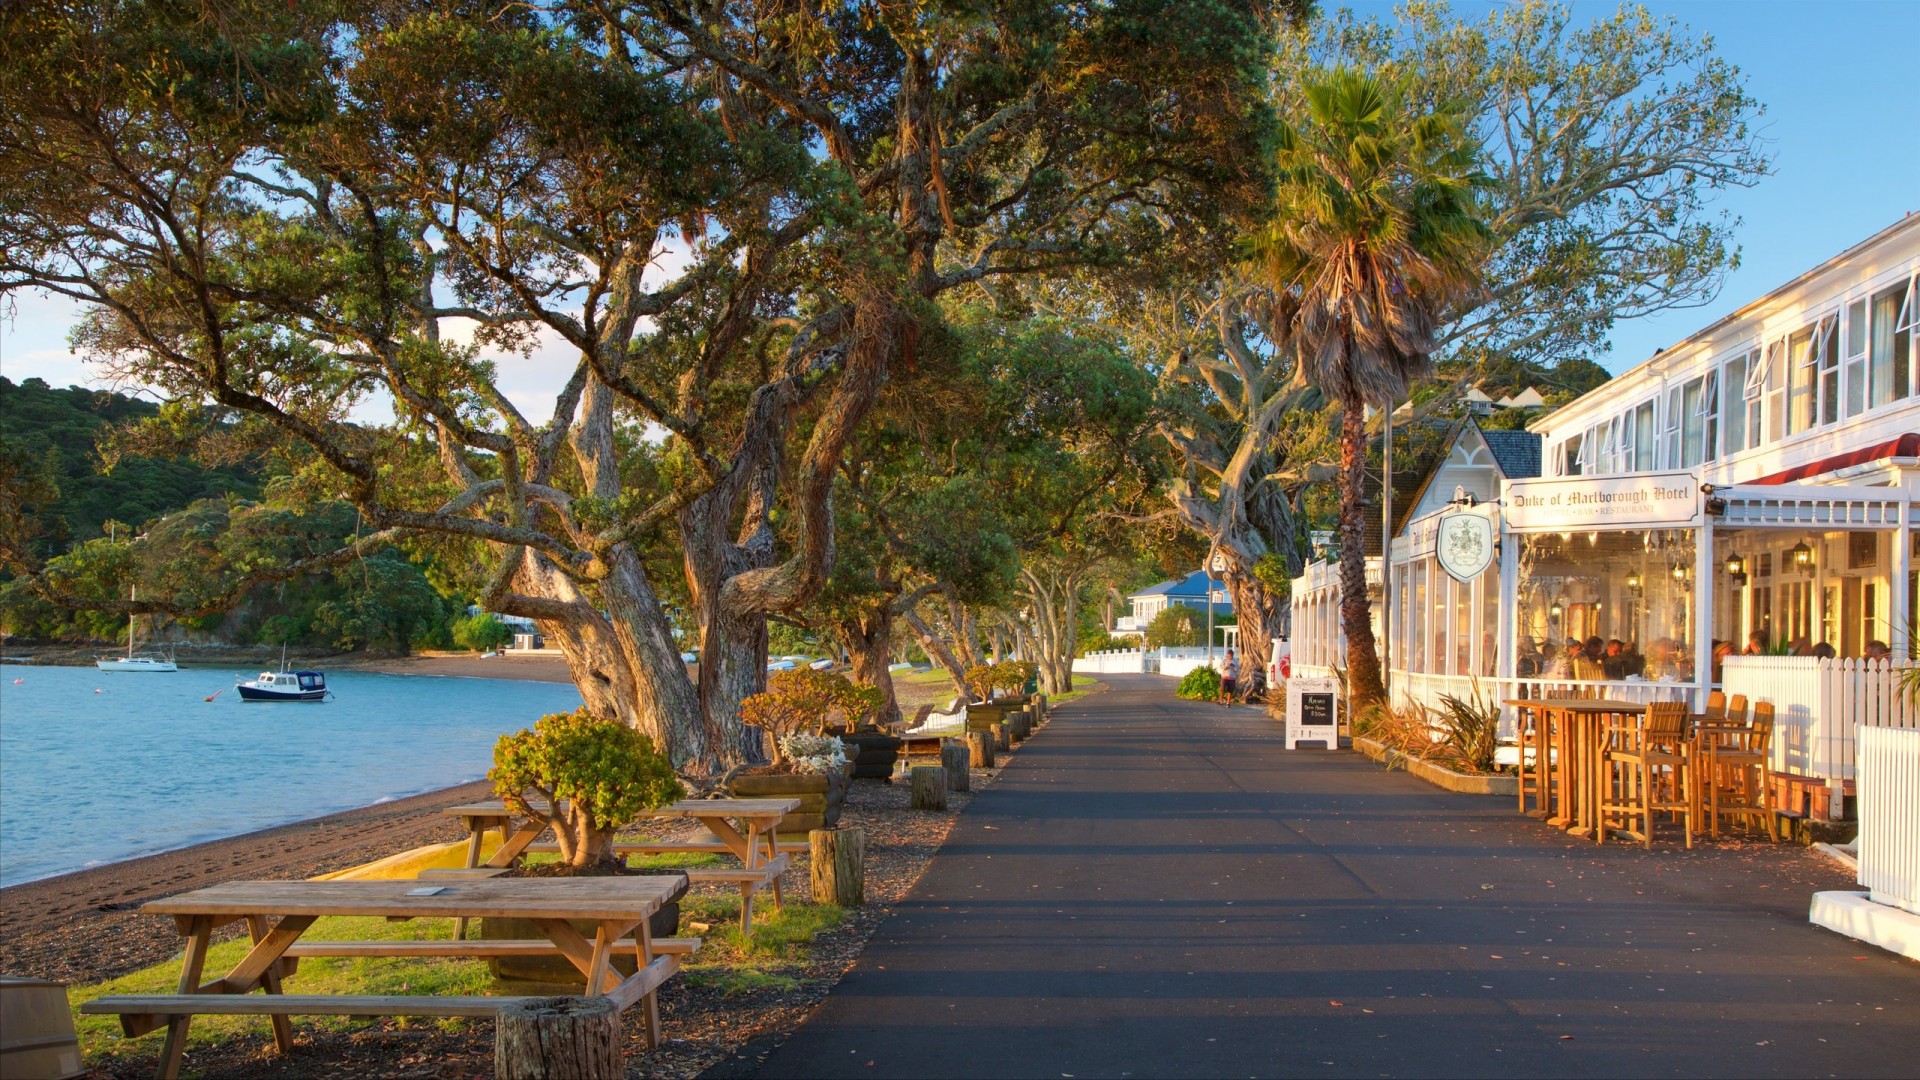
1464	545
1668	499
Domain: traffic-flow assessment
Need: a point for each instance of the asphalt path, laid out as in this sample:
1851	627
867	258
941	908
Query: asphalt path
1156	888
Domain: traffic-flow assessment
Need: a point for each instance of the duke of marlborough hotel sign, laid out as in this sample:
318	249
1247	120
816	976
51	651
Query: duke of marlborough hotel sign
1464	545
1635	500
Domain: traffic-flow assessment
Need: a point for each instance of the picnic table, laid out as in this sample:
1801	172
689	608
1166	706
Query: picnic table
1569	756
618	905
743	828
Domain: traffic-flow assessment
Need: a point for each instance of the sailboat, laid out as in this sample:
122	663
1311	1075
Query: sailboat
130	662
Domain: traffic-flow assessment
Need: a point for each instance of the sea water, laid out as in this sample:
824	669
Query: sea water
99	766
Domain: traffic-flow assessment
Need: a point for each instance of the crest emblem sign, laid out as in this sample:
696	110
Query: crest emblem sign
1464	545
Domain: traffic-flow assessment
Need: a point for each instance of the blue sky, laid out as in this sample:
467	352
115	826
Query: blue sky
1839	83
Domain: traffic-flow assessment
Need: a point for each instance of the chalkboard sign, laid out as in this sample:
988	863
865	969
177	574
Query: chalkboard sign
1316	710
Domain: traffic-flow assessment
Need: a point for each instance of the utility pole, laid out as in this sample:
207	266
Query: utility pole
1386	549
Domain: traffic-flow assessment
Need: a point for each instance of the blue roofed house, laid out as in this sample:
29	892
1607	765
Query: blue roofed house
1191	590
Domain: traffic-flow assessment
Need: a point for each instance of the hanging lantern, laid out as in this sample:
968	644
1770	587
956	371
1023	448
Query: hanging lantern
1737	568
1802	556
1556	610
1633	580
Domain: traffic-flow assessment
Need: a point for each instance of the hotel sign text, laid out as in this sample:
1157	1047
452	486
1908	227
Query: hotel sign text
1665	499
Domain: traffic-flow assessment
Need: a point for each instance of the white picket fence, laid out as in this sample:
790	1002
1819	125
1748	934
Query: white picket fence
1111	662
1888	788
1820	705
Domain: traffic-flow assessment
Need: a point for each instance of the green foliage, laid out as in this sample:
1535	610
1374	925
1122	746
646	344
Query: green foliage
606	771
481	633
1095	639
1200	684
1012	676
1177	626
980	681
800	700
1470	730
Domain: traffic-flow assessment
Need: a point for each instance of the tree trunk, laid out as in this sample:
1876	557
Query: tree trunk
1364	689
869	641
938	651
837	860
953	758
929	788
560	1038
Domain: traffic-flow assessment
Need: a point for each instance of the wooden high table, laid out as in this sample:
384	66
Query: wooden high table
744	828
618	905
1571	755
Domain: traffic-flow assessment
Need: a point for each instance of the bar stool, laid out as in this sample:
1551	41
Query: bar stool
1740	778
1530	734
1648	770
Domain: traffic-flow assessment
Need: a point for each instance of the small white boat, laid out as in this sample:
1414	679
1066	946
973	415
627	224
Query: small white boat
285	686
131	662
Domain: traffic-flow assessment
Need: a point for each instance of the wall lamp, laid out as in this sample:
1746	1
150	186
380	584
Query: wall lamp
1737	568
1802	556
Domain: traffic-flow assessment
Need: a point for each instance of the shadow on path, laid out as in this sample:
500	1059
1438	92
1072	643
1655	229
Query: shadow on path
1156	888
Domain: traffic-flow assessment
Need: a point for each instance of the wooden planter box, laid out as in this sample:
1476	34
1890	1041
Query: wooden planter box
983	717
871	755
821	797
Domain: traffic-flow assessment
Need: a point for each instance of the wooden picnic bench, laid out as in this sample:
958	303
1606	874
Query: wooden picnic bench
619	906
743	828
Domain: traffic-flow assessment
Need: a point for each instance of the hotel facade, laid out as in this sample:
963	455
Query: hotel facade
1757	483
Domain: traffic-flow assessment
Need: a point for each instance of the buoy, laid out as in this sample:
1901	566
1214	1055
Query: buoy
97	690
216	693
17	682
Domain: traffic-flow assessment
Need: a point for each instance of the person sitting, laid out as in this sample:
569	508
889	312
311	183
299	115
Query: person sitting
1587	664
1823	651
1877	650
1721	650
1615	659
1757	643
1526	663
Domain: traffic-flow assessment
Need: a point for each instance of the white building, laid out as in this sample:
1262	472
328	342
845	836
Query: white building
1757	482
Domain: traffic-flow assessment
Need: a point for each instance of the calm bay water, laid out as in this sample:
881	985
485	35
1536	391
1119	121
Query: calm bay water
146	764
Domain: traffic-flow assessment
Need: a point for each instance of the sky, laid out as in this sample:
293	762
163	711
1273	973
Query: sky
1837	80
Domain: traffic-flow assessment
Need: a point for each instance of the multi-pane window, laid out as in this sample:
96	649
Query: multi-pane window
1643	436
1801	374
1856	357
1890	344
1670	444
1733	416
1773	366
1826	351
1690	426
1570	457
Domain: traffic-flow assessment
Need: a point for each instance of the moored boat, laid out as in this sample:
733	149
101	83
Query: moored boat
130	662
285	686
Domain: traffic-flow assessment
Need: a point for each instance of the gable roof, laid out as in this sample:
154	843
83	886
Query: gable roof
1419	446
1191	587
1516	452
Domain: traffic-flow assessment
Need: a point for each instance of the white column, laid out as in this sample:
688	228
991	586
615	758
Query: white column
1509	622
1897	598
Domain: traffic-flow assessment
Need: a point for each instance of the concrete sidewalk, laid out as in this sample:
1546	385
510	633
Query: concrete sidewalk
1155	888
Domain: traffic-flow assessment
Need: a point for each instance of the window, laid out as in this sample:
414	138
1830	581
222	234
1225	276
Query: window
1607	460
1733	415
1570	457
1856	357
1890	347
1628	446
1826	351
1801	377
1670	450
1774	367
1691	429
1643	436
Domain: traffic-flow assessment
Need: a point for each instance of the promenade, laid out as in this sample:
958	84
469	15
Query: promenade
1156	888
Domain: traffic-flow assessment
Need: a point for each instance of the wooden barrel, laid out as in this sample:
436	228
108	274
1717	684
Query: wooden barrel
36	1030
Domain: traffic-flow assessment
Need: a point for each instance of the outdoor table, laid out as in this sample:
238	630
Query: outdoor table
1573	734
618	905
743	828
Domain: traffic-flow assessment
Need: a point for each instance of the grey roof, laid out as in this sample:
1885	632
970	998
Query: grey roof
1516	452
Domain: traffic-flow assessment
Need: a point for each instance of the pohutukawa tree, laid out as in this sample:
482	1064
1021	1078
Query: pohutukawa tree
727	222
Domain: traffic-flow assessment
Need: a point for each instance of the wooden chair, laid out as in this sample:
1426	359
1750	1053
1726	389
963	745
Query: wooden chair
1740	778
1716	710
1648	770
1736	709
1530	732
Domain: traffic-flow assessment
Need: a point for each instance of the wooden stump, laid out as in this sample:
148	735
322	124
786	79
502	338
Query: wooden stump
575	1038
953	758
980	749
838	866
1001	741
929	788
1022	726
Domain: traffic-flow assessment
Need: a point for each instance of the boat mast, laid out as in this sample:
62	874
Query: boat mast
133	593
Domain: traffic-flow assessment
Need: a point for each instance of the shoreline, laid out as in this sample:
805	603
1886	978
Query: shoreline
516	667
84	925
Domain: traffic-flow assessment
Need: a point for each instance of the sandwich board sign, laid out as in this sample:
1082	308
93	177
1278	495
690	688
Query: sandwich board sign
1313	712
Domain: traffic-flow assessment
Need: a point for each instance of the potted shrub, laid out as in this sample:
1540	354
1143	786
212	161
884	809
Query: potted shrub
984	712
806	763
585	777
1012	679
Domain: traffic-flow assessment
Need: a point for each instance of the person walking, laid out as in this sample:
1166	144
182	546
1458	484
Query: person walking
1229	678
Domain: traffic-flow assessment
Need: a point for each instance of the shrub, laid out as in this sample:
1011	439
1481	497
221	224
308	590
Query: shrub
605	771
1012	676
796	701
481	633
1470	730
980	681
1200	684
823	754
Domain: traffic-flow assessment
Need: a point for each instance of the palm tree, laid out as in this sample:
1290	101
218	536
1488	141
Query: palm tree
1376	238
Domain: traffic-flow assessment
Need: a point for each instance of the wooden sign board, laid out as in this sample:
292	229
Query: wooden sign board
1313	712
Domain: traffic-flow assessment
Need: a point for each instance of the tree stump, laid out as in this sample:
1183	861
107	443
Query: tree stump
838	866
980	749
929	788
1001	741
1021	726
953	758
575	1038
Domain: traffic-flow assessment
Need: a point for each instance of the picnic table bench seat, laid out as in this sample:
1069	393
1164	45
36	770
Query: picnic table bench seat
485	947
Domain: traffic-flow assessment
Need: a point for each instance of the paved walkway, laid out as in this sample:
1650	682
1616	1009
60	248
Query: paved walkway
1155	888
